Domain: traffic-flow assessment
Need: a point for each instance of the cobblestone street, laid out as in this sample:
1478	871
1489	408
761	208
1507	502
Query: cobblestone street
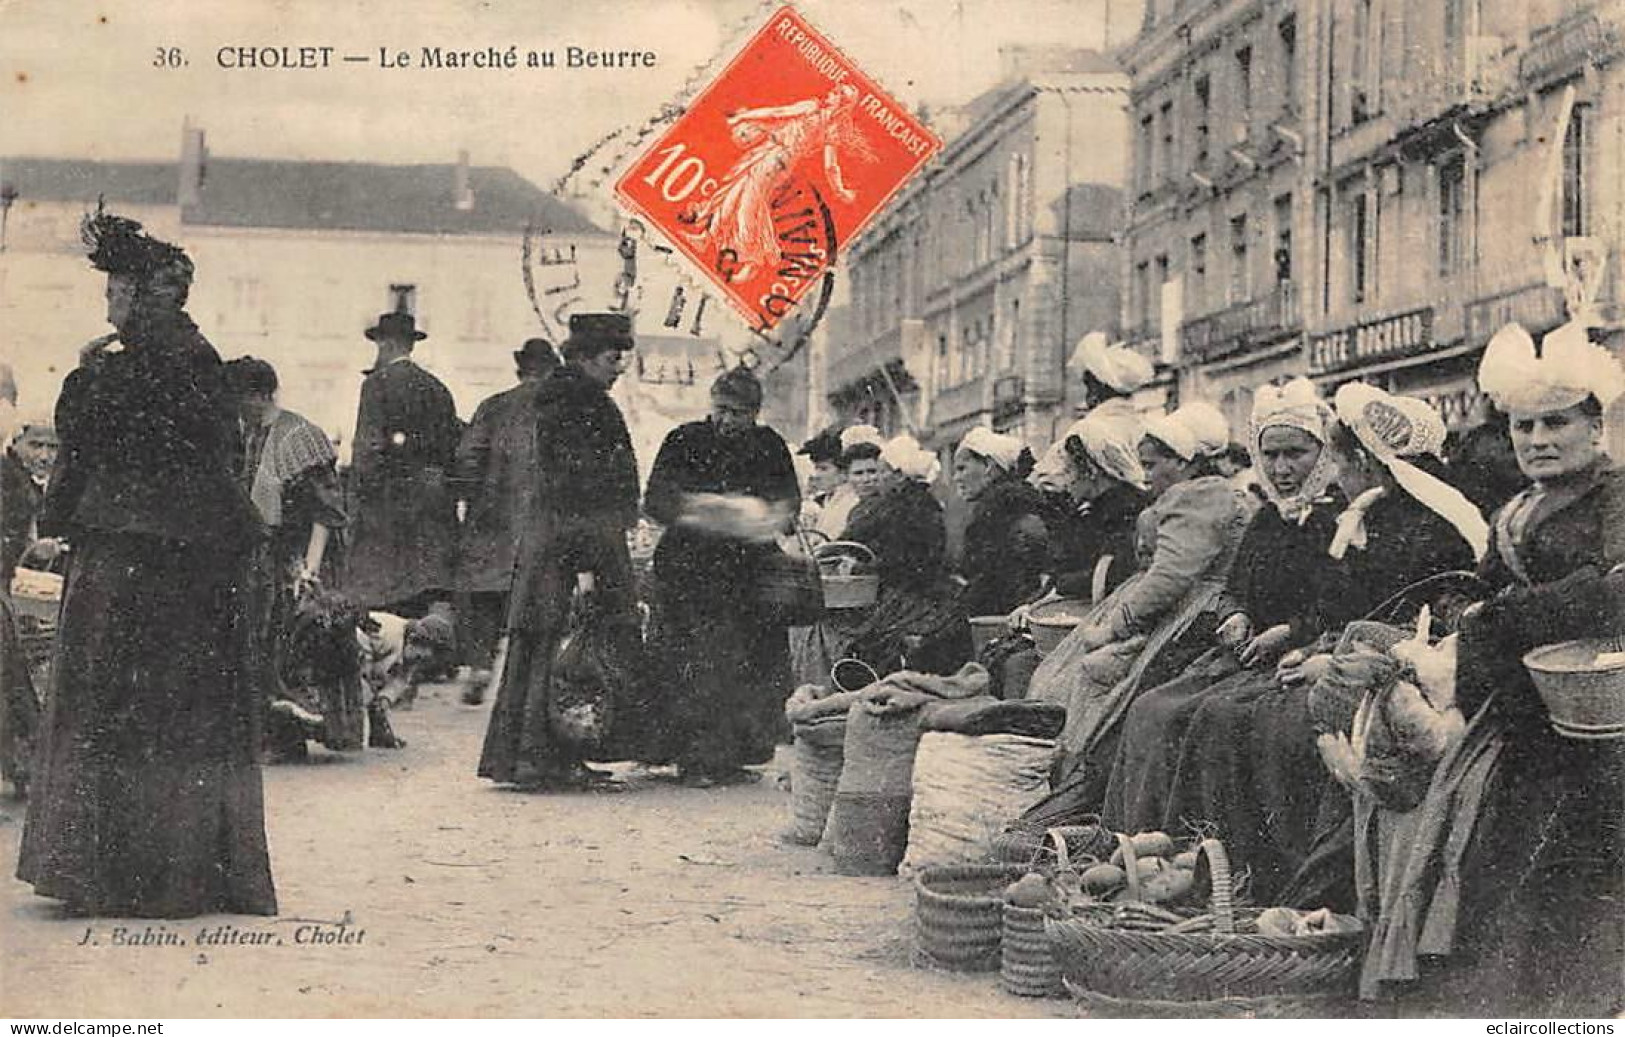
465	900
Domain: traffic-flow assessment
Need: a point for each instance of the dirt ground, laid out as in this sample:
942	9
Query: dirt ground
466	900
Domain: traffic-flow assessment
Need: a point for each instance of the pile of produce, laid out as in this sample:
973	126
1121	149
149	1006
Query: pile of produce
1167	891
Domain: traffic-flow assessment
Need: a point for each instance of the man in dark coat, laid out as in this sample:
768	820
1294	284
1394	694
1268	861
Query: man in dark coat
405	533
574	547
496	478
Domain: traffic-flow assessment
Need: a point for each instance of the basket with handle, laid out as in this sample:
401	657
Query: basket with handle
844	586
788	589
1218	956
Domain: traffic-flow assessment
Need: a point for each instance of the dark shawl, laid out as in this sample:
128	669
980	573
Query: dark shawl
584	459
696	458
1006	548
149	435
904	526
1080	535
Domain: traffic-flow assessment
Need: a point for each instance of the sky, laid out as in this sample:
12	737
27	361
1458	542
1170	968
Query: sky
77	79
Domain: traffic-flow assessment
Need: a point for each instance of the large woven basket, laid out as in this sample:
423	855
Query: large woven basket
1220	965
959	914
1584	696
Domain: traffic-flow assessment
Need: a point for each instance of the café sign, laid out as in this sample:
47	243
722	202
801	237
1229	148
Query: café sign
1401	335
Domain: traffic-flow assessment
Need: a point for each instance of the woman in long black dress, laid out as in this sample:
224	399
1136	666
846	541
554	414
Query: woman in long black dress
722	487
147	801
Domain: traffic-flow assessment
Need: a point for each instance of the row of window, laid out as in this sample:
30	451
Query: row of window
1366	204
1201	291
1230	76
983	223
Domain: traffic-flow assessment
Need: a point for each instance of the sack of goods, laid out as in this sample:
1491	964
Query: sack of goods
815	771
966	787
868	822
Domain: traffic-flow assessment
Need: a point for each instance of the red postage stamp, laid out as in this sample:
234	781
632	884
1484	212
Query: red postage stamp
776	166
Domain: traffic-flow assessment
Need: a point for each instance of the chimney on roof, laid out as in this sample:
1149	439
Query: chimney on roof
462	195
194	159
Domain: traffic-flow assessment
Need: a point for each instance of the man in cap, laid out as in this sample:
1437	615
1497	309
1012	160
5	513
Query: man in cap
405	533
586	499
495	478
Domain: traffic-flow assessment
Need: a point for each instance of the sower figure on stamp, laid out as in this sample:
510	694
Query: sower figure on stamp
147	799
496	478
404	538
574	544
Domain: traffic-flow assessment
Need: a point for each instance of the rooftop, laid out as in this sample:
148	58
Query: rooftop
300	195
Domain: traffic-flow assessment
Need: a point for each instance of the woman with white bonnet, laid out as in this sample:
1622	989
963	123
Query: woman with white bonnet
1111	374
1249	760
1150	627
917	619
1095	489
1515	863
1271	600
1006	543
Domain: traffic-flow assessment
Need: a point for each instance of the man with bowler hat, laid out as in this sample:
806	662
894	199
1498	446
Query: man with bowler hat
405	531
586	500
495	478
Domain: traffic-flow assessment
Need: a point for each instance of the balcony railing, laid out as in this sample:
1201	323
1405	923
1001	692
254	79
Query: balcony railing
1235	328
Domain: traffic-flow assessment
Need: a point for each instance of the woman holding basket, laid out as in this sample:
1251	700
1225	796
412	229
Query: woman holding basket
724	488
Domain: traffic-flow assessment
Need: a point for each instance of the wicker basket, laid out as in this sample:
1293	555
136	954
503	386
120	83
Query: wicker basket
1051	622
1195	966
1585	698
1027	965
844	587
959	914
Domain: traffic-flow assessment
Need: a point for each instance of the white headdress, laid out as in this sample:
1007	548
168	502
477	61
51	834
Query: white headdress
1567	368
1112	441
1297	404
1003	451
1116	366
851	437
1393	428
906	456
1196	429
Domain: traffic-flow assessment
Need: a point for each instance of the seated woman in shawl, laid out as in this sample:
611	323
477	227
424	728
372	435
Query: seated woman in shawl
1006	543
1247	763
918	622
1506	893
1270	602
1185	542
1094	489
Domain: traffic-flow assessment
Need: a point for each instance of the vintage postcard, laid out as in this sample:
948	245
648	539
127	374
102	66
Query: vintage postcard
1013	509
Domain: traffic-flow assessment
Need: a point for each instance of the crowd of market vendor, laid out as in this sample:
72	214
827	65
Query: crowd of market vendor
1232	604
